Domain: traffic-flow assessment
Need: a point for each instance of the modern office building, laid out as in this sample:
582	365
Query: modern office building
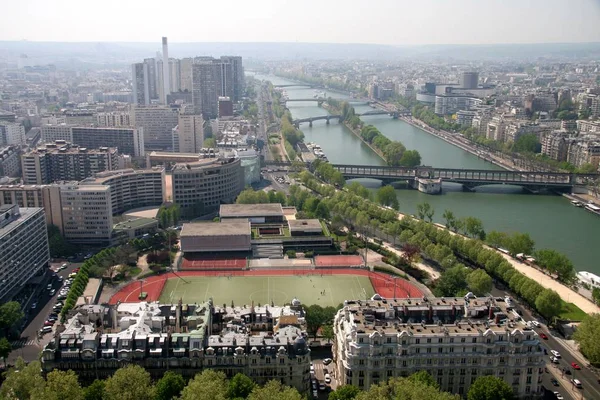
141	84
87	215
131	188
19	263
469	80
225	107
206	87
454	340
128	140
200	187
185	67
62	161
174	75
237	75
10	161
263	342
51	133
188	135
12	134
157	123
152	78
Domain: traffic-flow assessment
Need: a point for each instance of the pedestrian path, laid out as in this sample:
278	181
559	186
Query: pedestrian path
22	343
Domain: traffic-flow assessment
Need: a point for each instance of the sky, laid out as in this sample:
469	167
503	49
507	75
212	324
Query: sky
393	22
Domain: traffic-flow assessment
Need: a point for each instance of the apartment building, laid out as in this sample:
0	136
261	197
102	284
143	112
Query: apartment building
455	340
131	188
52	133
86	214
12	134
264	343
555	145
18	263
128	140
200	187
451	103
10	161
157	123
113	119
206	87
584	151
188	135
588	126
62	161
80	117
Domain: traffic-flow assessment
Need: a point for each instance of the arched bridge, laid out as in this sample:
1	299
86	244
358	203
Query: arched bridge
469	178
294	85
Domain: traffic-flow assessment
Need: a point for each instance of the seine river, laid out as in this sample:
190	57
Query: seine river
550	219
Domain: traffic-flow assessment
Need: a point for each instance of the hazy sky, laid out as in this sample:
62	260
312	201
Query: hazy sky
332	21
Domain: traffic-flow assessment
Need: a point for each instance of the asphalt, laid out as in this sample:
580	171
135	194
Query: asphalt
30	344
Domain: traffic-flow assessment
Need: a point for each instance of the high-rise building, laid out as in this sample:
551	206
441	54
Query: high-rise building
188	135
185	66
237	76
152	78
158	123
225	107
226	81
86	213
61	161
206	87
454	340
166	70
469	80
20	263
175	75
141	84
11	133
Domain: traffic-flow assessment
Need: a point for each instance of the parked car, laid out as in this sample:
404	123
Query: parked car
535	323
327	361
576	383
322	387
554	382
327	378
575	365
76	270
555	353
558	396
46	329
49	287
48	323
34	306
52	292
554	360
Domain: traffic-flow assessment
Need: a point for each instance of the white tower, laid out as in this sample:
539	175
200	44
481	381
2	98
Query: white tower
166	79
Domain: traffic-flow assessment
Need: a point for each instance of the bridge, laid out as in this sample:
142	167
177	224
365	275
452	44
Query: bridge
321	100
468	178
294	85
327	118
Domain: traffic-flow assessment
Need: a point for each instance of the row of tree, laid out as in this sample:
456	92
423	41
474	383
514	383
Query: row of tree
394	152
169	215
132	382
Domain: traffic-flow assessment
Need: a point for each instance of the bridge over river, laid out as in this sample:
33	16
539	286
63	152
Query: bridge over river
469	178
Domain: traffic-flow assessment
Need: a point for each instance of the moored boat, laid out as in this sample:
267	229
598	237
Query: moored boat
576	203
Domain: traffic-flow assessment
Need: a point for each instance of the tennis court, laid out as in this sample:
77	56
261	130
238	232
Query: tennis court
324	290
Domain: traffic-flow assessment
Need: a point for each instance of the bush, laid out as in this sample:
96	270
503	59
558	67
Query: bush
291	253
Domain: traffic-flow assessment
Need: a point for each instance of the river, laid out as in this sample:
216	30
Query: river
550	219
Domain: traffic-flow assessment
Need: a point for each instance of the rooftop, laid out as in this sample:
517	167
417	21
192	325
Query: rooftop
250	210
134	223
302	225
24	214
62	147
223	228
102	177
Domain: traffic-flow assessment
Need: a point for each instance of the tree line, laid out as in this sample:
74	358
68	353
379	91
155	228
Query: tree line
132	382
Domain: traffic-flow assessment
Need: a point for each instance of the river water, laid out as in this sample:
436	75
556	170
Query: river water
550	219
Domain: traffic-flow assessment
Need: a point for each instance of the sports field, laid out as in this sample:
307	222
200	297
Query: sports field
324	290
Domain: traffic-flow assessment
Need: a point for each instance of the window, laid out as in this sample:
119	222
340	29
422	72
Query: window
390	373
418	351
360	340
474	340
361	362
462	340
440	340
418	341
268	360
428	340
389	340
361	382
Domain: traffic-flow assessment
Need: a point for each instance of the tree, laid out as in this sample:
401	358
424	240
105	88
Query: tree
497	239
549	304
5	349
425	378
452	282
208	385
346	392
60	385
274	390
528	143
95	391
10	314
208	132
555	263
474	228
404	388
59	247
327	333
596	295
424	210
490	388
22	381
450	219
393	153
169	386
209	143
520	243
315	318
240	386
410	158
587	336
359	190
131	382
479	282
386	196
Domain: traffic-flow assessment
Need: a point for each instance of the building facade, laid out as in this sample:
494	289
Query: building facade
10	161
114	119
141	84
188	135
127	140
454	340
61	161
86	214
18	263
11	134
200	187
206	87
157	123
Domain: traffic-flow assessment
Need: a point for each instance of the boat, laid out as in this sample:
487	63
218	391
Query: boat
576	203
589	278
592	208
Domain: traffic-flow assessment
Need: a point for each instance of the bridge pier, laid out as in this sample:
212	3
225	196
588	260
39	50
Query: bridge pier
310	123
327	120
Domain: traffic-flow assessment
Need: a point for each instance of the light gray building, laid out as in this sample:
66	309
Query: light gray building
10	161
19	263
157	123
206	86
141	84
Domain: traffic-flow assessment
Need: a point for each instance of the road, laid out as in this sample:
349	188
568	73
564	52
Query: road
588	378
29	345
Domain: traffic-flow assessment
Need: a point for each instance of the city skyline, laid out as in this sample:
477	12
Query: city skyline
398	23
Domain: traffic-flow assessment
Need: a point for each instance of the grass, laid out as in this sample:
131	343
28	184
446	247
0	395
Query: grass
325	230
264	289
133	271
571	312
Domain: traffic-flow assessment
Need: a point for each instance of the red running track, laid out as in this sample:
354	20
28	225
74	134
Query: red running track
383	284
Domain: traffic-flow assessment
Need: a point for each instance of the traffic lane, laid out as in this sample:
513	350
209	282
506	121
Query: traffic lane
548	386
